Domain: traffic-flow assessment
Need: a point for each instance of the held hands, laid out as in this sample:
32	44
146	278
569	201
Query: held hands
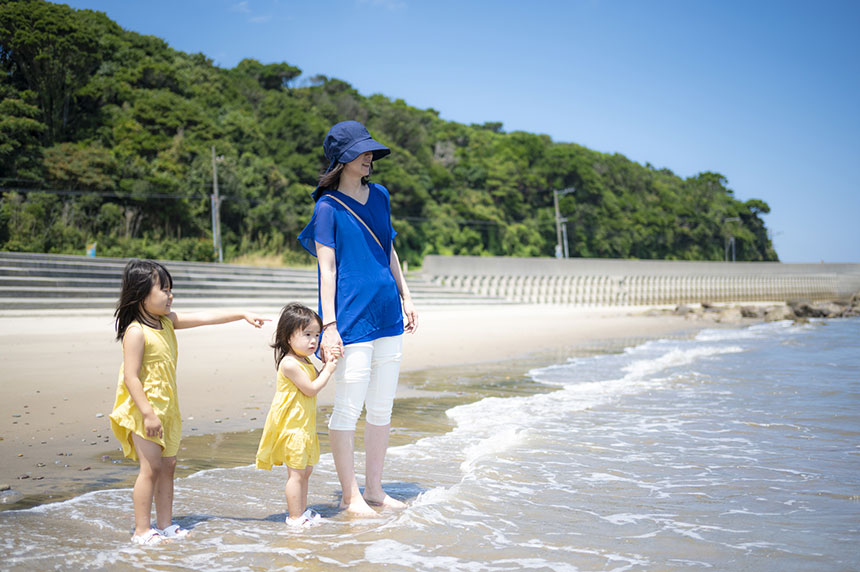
331	345
255	320
331	364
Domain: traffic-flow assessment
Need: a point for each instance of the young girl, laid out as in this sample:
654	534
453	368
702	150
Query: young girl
145	416
290	436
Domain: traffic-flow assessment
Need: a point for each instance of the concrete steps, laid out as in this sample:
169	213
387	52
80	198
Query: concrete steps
45	281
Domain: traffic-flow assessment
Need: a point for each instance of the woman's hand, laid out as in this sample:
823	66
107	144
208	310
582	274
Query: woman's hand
331	344
411	316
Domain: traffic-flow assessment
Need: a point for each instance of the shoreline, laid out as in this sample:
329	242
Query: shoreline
54	402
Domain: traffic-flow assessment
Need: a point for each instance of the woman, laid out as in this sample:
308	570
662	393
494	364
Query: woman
361	287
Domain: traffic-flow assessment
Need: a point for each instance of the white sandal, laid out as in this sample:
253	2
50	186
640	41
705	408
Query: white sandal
313	516
149	538
308	519
174	531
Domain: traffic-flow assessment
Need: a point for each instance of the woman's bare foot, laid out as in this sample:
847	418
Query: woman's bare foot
359	507
385	502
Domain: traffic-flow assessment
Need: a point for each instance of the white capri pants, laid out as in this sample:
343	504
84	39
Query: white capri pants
366	376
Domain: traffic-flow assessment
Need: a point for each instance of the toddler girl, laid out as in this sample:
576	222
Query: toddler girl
145	416
289	436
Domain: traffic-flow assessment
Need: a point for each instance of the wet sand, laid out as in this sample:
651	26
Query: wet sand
60	369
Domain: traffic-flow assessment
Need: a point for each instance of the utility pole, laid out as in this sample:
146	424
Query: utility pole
558	253
730	241
216	210
561	251
564	235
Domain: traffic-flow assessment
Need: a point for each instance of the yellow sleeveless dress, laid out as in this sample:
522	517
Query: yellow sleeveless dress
158	376
290	434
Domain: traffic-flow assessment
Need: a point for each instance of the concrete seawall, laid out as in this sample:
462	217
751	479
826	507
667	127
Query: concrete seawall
52	281
598	282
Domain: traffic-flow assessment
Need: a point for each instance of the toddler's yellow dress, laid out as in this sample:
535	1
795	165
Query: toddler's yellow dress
158	376
290	435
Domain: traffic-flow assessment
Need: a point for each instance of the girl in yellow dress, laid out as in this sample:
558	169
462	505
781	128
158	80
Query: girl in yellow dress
289	436
145	415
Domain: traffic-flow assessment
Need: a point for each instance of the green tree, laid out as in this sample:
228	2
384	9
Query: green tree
43	48
126	125
20	133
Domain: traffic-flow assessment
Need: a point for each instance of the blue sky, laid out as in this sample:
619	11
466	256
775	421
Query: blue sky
765	92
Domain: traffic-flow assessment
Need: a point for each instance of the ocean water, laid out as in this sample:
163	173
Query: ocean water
730	450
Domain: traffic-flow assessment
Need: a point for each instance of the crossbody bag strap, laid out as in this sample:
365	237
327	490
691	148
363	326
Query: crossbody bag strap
359	219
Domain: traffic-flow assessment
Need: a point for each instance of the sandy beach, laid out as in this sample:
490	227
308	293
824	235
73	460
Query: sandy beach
60	369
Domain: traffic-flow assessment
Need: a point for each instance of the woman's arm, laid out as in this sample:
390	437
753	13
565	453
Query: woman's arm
132	357
194	319
292	370
331	339
403	289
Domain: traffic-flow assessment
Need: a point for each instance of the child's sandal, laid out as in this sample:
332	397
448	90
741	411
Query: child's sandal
149	538
174	531
313	516
308	519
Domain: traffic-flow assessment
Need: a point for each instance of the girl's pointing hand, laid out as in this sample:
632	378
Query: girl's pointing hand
255	320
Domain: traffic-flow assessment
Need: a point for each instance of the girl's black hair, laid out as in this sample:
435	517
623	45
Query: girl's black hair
137	281
294	316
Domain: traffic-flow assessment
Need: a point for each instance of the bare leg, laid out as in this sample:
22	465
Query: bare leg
308	470
343	452
164	493
375	446
149	454
296	491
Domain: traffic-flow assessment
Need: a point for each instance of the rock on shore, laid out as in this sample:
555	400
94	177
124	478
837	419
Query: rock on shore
797	310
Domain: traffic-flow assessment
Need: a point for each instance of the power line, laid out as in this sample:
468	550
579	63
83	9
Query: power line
109	194
456	220
138	196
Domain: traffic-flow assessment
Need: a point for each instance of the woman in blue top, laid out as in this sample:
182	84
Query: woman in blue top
362	300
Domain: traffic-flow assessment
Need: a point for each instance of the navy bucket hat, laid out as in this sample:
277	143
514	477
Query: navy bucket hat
345	142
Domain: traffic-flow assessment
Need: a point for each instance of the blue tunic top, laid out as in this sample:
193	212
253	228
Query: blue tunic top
367	302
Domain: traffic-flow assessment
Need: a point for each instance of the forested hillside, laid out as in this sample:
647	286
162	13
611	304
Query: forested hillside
106	135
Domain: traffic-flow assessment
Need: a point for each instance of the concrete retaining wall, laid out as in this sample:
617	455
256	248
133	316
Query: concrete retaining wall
51	281
595	282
